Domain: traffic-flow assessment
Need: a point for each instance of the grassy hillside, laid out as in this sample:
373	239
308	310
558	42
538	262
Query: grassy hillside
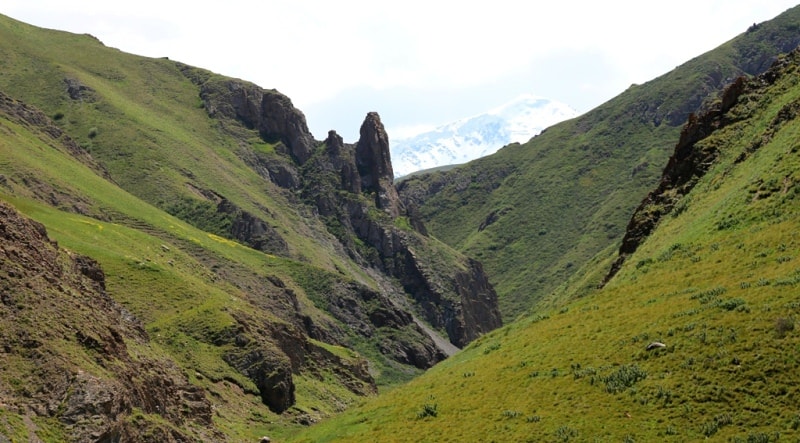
535	213
716	283
139	164
144	121
165	271
270	280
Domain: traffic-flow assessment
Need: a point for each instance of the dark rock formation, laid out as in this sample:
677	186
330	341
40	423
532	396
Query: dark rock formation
78	91
375	165
462	301
453	296
492	218
276	168
268	111
479	311
253	231
55	317
271	374
683	170
270	355
343	160
368	311
345	184
281	173
690	162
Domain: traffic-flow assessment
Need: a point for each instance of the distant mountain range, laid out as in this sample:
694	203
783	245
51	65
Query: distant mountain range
474	137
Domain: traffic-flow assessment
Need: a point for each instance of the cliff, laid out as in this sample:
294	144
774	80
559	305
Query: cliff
452	293
351	187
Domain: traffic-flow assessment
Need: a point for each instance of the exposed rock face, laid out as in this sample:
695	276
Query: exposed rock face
367	311
268	111
79	91
271	374
690	162
683	170
345	183
463	302
54	313
453	296
253	231
480	313
375	165
343	160
270	355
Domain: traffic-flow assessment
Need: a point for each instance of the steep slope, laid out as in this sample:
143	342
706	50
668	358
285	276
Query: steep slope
74	365
535	213
693	338
452	290
203	200
232	317
478	136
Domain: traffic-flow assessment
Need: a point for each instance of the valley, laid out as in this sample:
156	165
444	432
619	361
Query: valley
181	260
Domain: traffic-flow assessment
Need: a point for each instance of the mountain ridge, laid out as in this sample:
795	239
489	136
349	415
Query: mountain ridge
677	345
262	281
203	199
568	193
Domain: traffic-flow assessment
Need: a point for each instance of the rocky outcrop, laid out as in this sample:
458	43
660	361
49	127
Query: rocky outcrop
78	91
370	312
375	165
271	374
54	318
253	231
343	160
271	354
461	300
43	301
351	187
479	311
268	111
691	159
493	217
454	296
683	170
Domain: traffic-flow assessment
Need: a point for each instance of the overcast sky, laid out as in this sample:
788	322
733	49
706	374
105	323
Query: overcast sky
418	63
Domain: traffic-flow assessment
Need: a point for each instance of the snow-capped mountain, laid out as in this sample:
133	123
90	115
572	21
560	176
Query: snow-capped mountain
473	137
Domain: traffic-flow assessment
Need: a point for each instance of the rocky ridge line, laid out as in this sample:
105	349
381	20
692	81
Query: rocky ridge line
322	170
689	162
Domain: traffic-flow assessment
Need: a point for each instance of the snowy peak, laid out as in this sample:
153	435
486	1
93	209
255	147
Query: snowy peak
474	137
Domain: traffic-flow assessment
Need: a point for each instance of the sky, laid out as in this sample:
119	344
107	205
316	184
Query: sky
419	63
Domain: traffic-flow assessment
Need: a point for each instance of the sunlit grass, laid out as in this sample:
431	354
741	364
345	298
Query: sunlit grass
717	283
567	194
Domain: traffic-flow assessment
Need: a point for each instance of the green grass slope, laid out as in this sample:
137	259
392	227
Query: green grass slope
535	213
175	137
117	156
717	282
166	272
143	119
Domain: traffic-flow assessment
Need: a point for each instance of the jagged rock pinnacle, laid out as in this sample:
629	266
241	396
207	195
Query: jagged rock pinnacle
374	164
343	160
372	152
